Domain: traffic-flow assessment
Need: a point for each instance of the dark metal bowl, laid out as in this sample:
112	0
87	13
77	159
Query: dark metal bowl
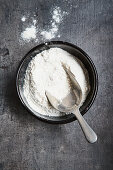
74	50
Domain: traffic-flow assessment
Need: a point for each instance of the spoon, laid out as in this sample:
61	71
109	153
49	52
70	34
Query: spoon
71	103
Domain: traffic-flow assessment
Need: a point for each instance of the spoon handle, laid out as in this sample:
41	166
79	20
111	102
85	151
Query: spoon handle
88	132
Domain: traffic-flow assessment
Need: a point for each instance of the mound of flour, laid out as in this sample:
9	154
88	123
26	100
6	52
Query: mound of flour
45	72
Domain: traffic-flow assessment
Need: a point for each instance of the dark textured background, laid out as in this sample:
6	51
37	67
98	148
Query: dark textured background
29	144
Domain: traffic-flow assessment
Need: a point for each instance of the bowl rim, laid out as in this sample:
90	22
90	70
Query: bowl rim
95	85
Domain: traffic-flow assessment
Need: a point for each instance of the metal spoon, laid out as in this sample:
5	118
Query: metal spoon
71	103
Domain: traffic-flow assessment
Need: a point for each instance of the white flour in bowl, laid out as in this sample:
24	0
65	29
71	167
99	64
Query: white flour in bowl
45	72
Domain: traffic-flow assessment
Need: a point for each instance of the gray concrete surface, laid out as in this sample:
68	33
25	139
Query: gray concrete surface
29	144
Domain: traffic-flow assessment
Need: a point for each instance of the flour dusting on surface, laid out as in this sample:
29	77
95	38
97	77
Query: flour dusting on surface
34	30
57	18
23	18
29	33
46	73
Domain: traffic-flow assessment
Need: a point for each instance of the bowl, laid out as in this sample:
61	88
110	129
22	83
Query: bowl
74	50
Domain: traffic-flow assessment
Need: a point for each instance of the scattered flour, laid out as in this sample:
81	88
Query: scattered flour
34	21
45	72
31	31
57	18
23	18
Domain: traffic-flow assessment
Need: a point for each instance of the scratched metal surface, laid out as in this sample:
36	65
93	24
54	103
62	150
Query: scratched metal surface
29	144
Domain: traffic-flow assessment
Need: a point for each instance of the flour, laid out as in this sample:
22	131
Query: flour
29	33
46	73
34	21
57	18
34	31
23	18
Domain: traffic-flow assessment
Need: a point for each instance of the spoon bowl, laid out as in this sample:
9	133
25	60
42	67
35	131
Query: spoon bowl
72	99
